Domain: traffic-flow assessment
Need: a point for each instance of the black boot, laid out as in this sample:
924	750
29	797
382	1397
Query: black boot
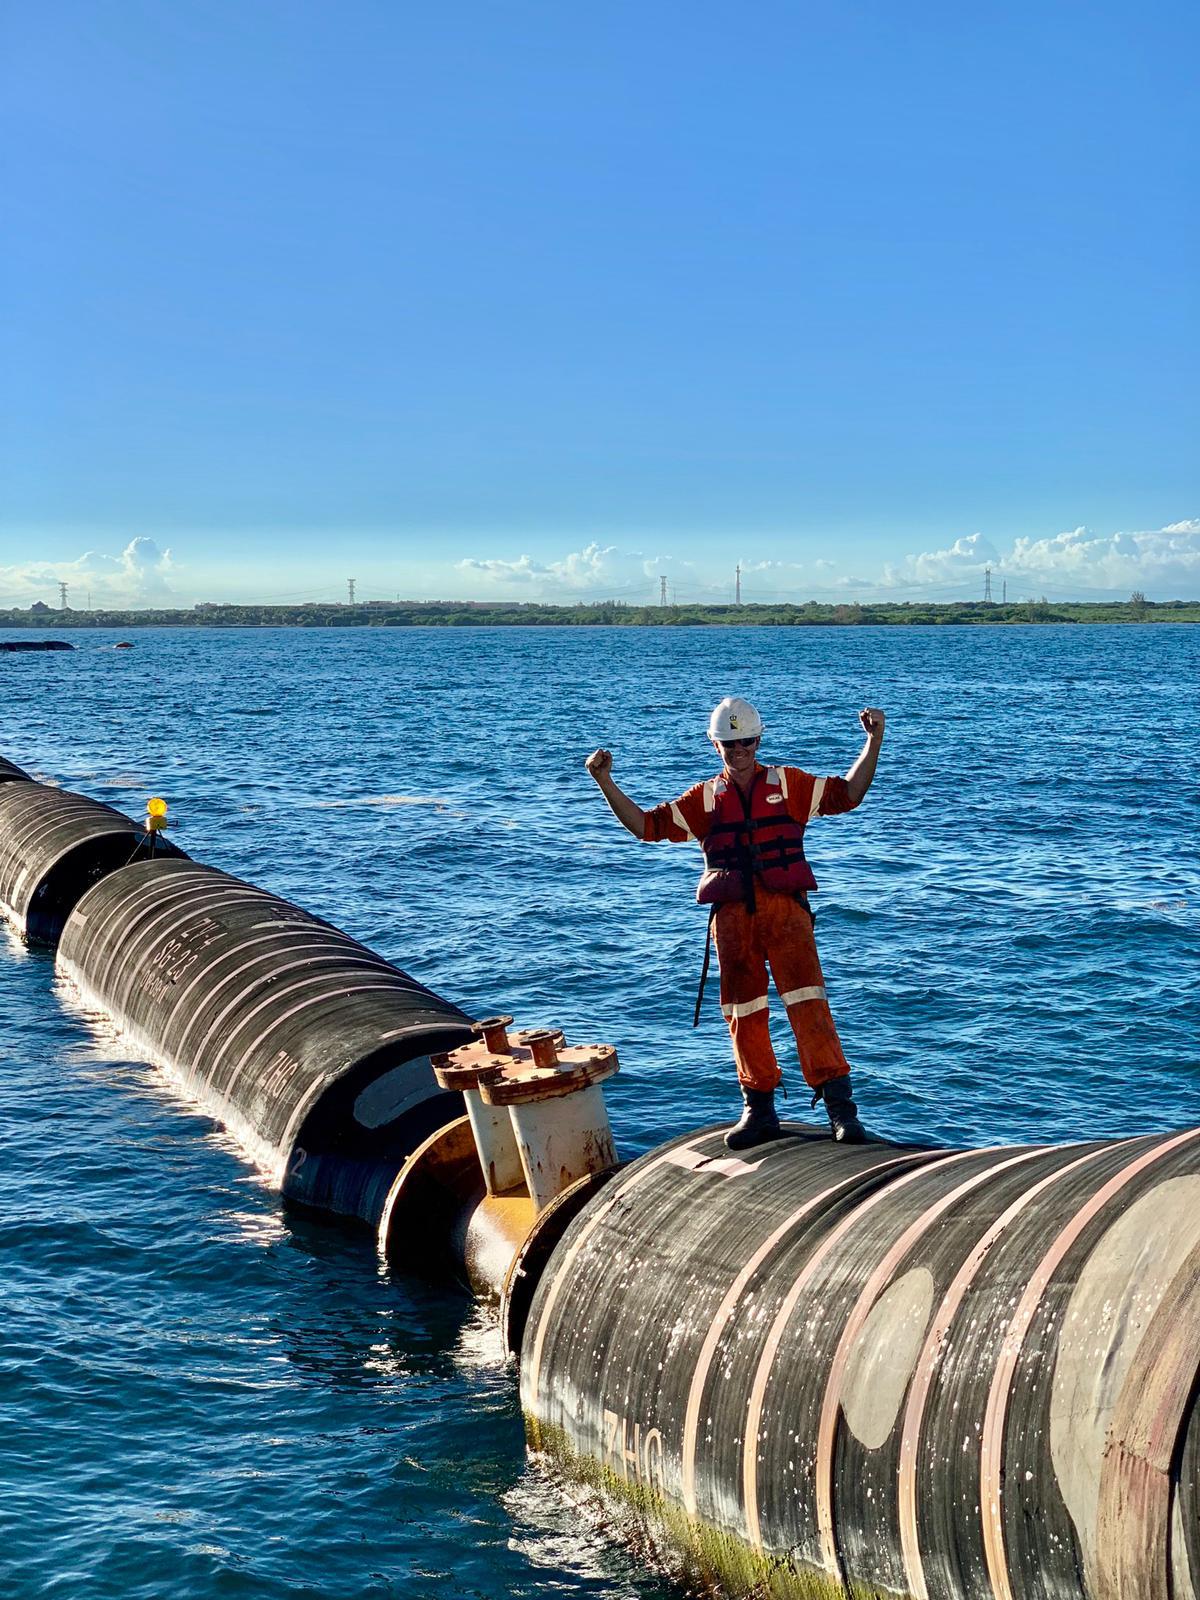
841	1111
758	1123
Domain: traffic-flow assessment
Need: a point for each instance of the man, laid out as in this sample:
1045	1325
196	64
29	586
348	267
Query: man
749	820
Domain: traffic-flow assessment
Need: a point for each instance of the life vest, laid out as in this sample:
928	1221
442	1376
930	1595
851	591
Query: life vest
752	839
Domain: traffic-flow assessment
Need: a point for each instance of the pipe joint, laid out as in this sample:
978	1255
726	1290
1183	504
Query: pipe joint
536	1109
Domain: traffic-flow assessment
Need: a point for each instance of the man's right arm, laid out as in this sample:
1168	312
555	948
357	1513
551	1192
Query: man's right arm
629	815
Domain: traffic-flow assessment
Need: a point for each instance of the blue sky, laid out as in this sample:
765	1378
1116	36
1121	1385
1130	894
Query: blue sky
549	300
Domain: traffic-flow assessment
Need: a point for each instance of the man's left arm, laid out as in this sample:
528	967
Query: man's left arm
858	779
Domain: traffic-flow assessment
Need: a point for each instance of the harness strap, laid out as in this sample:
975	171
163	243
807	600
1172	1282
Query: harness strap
746	845
747	824
704	969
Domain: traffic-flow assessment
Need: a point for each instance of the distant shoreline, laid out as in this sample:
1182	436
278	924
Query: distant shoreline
616	613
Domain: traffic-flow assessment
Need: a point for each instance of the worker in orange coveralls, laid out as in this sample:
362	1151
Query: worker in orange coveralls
749	820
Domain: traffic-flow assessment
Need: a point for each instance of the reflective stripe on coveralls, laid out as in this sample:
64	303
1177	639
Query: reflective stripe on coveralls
793	997
779	934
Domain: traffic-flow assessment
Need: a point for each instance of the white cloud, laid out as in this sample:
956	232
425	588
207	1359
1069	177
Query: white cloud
581	569
1076	563
135	577
595	571
965	558
1164	562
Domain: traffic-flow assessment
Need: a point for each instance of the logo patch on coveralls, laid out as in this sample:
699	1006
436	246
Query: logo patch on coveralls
774	799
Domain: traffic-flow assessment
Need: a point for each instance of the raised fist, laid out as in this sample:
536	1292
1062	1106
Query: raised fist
599	764
872	720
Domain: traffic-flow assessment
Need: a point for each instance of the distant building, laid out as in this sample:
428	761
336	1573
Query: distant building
39	606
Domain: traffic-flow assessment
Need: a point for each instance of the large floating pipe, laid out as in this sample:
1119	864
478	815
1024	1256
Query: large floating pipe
9	771
815	1370
883	1370
312	1049
54	845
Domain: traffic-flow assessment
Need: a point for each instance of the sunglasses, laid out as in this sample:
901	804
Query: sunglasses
736	744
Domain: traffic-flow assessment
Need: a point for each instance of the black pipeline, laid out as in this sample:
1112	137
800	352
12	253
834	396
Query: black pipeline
826	1369
54	845
818	1370
310	1048
885	1370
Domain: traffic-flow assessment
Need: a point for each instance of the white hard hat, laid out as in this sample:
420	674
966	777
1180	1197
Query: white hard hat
734	719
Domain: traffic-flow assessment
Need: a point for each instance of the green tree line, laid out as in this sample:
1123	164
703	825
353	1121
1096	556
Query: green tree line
617	613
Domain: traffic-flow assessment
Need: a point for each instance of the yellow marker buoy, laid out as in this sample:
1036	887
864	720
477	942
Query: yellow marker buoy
156	814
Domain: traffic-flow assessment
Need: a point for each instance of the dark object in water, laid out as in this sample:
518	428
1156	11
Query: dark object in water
125	644
35	644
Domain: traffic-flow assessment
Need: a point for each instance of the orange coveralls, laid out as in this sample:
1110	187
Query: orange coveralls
778	934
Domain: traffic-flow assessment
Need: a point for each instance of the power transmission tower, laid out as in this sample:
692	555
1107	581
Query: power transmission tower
662	591
62	591
987	586
737	586
350	589
1004	592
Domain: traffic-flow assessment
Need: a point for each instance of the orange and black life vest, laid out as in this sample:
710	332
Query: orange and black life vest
752	839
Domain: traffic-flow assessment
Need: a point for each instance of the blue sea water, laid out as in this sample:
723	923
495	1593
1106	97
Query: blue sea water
204	1396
